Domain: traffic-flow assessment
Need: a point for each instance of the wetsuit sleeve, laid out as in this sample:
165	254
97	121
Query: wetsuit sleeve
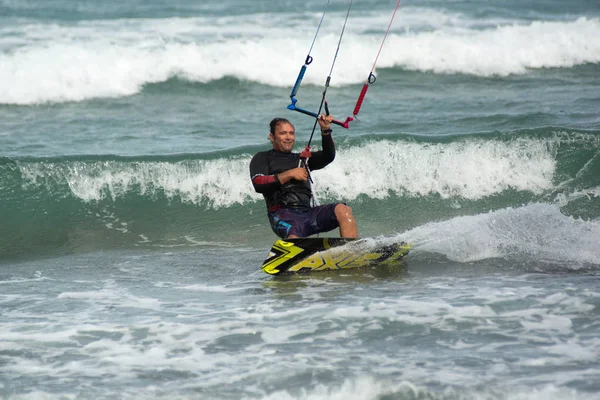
262	180
322	158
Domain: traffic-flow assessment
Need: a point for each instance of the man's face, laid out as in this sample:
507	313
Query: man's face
284	137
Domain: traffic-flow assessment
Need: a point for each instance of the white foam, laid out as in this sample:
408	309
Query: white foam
367	388
113	339
216	183
108	296
362	388
199	287
504	50
559	324
471	170
538	231
56	63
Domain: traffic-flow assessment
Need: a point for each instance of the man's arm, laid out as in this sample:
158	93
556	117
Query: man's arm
319	159
264	182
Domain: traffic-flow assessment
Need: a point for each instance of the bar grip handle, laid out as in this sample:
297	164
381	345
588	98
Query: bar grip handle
361	97
298	81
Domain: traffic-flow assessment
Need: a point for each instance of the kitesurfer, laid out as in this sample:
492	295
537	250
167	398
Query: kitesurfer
283	178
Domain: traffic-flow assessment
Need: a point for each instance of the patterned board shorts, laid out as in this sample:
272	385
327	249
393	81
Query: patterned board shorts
303	222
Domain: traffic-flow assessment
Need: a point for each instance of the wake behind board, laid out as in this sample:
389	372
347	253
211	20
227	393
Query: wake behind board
319	254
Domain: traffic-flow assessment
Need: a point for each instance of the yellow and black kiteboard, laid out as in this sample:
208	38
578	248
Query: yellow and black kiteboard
322	254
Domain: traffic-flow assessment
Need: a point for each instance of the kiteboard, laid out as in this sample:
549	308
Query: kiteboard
322	254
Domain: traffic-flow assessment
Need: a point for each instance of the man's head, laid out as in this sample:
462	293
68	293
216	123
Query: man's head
282	135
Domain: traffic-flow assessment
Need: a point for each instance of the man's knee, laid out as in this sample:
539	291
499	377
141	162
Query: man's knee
343	212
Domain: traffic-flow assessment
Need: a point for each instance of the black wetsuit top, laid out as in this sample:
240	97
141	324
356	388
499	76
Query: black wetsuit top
265	166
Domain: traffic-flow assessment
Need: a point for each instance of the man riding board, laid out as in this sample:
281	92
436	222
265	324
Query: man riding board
283	179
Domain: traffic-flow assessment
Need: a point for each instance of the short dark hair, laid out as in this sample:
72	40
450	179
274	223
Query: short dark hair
277	121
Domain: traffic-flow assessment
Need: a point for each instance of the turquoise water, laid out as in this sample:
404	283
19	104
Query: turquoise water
131	239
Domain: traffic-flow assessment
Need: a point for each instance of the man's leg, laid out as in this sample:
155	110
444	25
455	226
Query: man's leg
280	227
348	228
290	224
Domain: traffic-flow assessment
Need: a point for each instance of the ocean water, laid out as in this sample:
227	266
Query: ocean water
131	239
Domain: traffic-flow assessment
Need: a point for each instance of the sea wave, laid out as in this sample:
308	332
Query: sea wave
535	232
48	63
396	183
468	168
